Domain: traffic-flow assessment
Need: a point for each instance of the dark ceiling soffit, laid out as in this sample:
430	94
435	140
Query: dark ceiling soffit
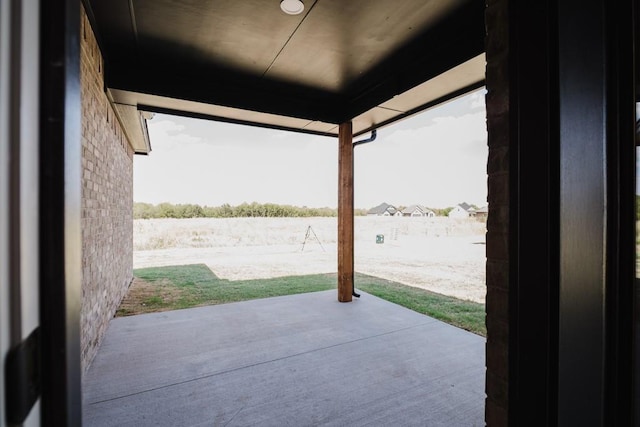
452	42
455	40
224	88
423	107
202	116
401	116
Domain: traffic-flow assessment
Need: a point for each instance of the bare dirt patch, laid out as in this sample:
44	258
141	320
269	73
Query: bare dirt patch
147	297
439	254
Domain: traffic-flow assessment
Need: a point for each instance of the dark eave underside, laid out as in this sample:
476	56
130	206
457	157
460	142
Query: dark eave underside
247	62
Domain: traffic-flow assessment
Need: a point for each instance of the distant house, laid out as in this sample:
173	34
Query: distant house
383	209
418	210
481	213
460	211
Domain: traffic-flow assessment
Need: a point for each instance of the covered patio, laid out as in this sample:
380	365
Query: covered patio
562	85
335	69
295	360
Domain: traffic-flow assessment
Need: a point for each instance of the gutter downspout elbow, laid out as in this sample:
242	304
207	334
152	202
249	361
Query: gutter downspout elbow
374	133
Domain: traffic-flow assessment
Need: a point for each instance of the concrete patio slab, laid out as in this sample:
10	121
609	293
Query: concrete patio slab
300	360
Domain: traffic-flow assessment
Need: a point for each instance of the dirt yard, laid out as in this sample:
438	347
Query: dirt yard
440	254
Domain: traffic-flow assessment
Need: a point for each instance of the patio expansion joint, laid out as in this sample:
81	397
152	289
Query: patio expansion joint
290	356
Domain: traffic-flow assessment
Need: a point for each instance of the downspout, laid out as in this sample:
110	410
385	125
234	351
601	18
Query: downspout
372	138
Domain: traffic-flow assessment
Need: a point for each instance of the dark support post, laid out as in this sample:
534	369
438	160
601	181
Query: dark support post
530	121
60	202
566	119
345	213
597	259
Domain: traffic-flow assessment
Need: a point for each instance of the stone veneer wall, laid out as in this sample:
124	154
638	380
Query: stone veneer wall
497	301
107	201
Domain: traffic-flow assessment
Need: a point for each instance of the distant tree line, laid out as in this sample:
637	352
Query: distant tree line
442	212
245	210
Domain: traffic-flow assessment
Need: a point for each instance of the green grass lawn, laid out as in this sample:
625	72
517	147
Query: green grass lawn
185	286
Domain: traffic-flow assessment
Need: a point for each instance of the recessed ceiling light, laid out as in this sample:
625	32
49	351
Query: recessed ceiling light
292	7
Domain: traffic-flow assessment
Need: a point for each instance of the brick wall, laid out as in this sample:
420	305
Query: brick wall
497	101
107	201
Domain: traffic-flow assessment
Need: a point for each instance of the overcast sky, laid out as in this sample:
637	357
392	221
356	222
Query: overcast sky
437	158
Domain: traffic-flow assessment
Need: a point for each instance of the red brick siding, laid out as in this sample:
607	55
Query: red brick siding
107	201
